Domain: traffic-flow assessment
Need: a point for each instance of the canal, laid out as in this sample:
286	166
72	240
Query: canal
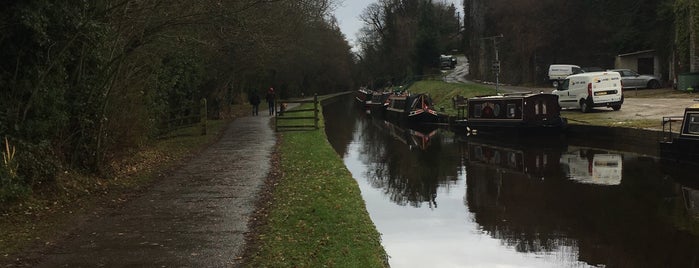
445	201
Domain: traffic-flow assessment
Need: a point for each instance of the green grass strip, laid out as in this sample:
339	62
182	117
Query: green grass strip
317	217
442	92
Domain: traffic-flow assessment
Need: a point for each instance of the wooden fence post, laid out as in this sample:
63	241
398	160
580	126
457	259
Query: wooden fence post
202	116
315	109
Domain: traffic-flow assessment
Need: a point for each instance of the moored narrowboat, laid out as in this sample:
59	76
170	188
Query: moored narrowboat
411	109
682	146
362	95
512	113
377	103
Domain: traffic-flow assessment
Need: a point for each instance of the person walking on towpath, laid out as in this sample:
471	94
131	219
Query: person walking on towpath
270	100
255	102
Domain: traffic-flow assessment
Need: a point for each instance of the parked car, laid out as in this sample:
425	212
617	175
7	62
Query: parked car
633	80
447	62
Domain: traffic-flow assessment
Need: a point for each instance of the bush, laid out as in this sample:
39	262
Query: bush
12	186
37	163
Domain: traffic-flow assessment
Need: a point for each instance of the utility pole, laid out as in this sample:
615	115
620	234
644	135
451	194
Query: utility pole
496	64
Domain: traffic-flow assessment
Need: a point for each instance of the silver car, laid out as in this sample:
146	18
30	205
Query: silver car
631	79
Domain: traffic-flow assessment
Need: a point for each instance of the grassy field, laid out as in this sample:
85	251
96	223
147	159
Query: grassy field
317	217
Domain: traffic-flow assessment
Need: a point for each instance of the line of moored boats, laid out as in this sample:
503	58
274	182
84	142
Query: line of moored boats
513	114
510	112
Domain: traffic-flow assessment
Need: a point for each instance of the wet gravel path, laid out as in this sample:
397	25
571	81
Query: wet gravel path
196	217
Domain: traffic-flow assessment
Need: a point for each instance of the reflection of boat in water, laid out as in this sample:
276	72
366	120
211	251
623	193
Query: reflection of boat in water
420	137
411	109
592	167
538	160
684	146
650	216
512	113
518	156
691	201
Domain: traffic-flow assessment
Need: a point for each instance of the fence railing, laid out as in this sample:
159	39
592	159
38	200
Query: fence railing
668	134
286	121
185	117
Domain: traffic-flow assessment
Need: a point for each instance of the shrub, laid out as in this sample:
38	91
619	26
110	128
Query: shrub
12	185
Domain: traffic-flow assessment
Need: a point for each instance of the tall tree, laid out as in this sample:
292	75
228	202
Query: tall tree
82	82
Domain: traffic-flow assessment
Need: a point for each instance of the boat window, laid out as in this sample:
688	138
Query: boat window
693	124
496	110
477	110
414	104
479	153
543	109
511	110
512	159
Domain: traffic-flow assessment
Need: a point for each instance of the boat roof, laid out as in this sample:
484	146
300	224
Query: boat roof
513	95
695	105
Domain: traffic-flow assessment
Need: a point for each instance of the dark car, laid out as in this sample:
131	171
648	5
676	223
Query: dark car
447	62
633	80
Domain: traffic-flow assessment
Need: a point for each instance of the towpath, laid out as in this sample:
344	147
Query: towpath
196	217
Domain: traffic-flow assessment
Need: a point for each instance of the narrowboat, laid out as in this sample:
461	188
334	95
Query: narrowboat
377	103
512	113
362	95
682	146
411	109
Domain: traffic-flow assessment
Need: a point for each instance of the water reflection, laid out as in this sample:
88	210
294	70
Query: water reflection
524	203
592	166
415	138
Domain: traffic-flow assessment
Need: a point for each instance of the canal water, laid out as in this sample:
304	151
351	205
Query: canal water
441	200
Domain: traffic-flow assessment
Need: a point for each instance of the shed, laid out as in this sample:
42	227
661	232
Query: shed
643	62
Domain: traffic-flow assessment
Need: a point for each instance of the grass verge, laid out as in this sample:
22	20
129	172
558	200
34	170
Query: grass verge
442	92
317	217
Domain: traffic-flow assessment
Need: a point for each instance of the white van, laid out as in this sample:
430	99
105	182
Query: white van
587	90
590	167
558	72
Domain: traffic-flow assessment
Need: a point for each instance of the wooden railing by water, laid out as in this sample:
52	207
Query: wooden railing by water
286	121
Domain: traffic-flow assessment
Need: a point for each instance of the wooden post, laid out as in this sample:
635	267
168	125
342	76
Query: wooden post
315	109
202	116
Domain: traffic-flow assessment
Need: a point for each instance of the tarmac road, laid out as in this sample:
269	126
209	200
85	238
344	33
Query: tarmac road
196	217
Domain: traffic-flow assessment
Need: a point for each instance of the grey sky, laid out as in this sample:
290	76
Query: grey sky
348	11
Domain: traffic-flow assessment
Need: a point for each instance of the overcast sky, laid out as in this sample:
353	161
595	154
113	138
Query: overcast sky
347	14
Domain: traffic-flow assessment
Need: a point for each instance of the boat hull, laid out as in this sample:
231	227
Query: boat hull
680	150
512	114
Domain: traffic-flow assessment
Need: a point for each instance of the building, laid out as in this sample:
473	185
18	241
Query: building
643	62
